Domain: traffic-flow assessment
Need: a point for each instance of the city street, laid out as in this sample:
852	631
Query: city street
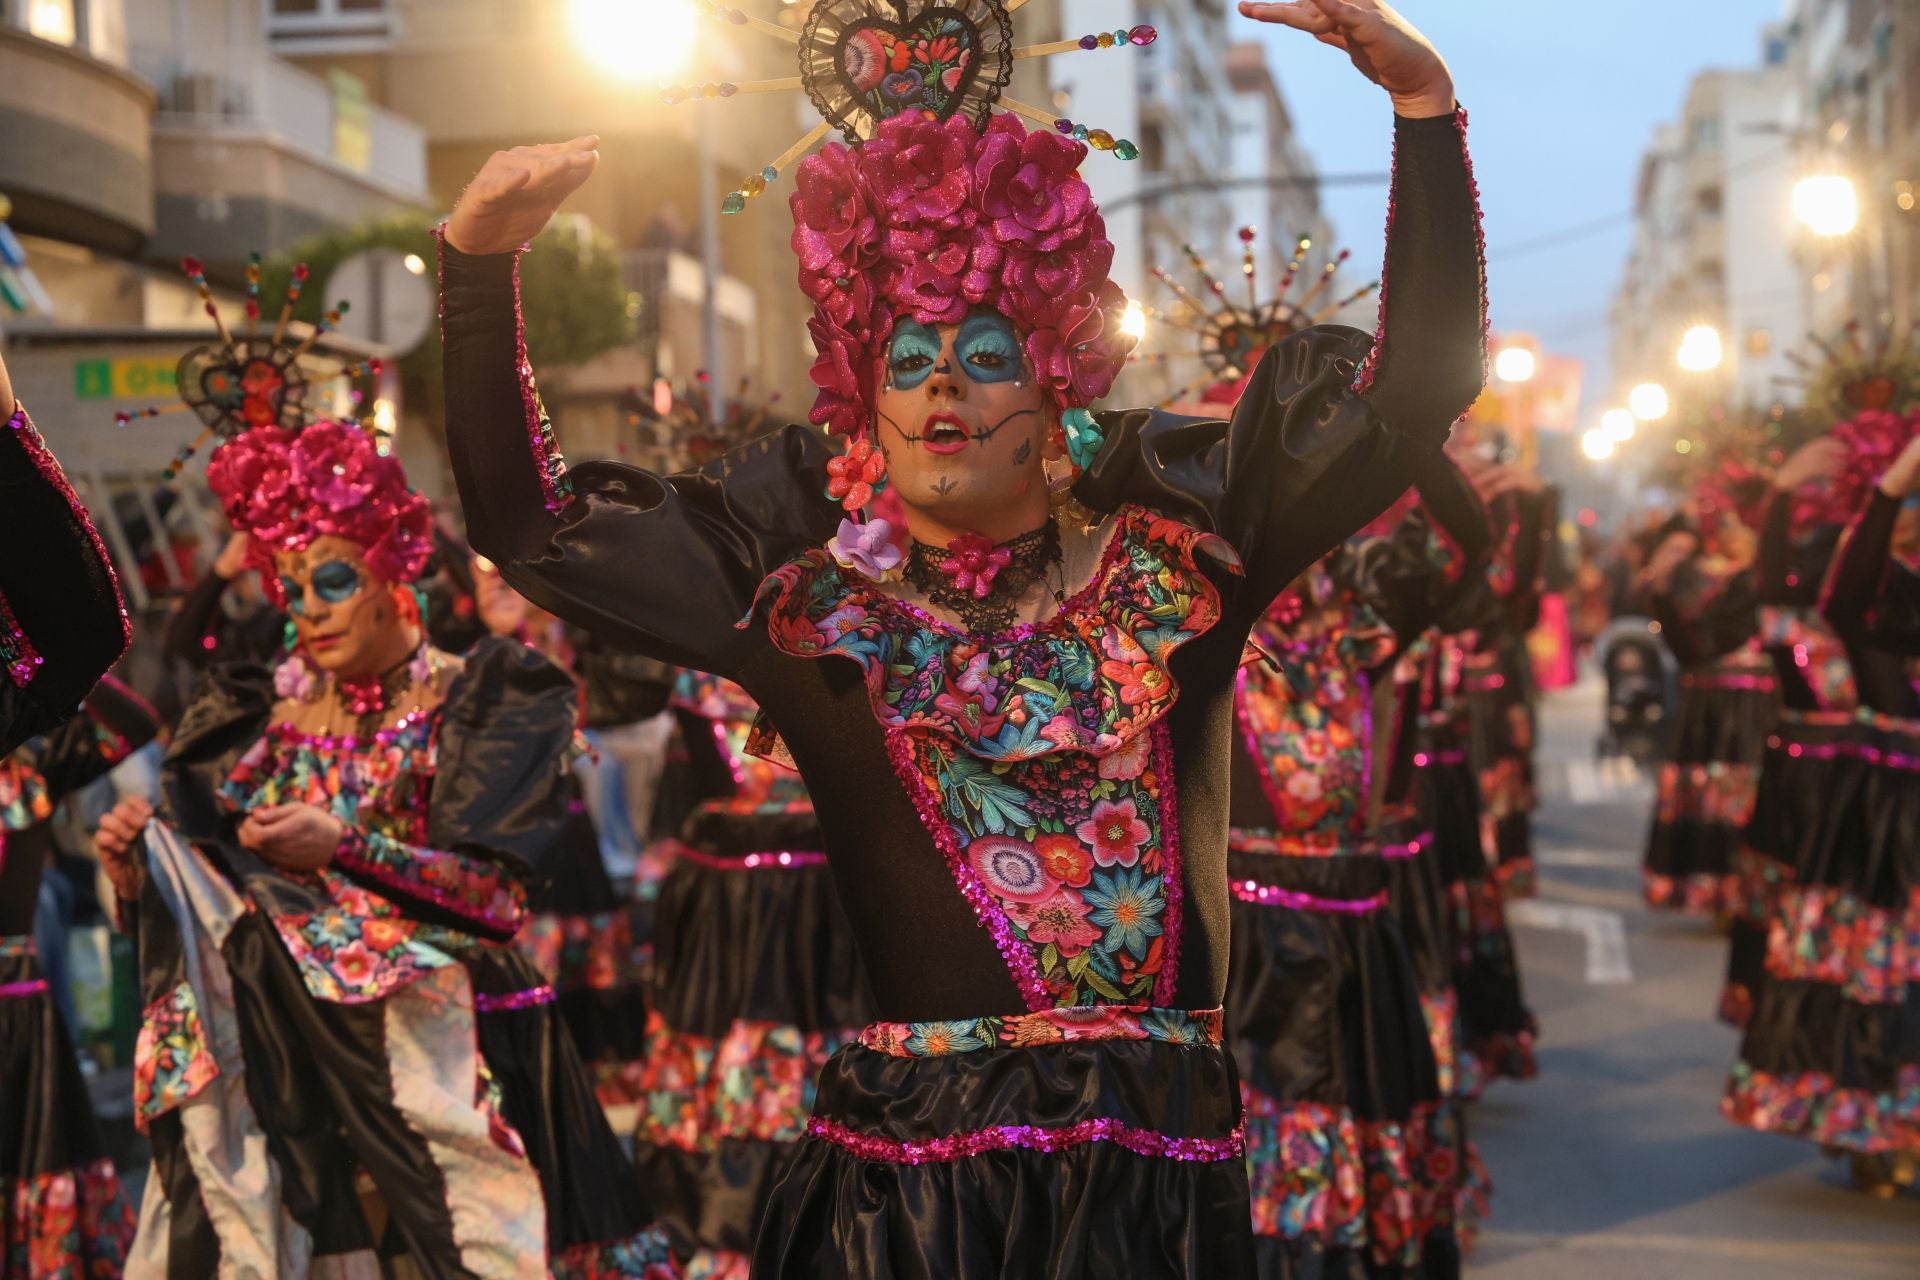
1615	1161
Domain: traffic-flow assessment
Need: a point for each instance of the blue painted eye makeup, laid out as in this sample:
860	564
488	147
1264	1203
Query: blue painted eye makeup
912	354
335	582
988	348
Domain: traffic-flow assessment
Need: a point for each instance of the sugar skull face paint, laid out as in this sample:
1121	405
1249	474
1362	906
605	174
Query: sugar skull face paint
960	419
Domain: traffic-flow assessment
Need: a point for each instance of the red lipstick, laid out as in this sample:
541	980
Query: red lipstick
948	442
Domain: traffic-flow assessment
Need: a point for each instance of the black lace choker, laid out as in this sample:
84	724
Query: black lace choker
981	583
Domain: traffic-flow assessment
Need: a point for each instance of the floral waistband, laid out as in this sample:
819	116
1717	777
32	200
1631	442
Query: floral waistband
1048	1026
1759	680
13	946
1270	844
769	859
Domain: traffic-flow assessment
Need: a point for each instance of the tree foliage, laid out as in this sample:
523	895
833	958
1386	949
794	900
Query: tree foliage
572	296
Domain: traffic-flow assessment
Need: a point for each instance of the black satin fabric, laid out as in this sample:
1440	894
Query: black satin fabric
1324	1007
1715	726
46	1116
1417	896
1501	727
766	945
59	590
1089	1212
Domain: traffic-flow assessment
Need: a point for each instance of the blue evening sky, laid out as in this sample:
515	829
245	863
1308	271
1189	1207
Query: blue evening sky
1564	96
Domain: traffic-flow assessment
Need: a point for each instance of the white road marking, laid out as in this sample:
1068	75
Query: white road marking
1605	931
1619	859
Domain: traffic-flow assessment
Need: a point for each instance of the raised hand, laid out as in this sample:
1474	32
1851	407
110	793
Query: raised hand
1819	459
1386	48
516	192
1903	477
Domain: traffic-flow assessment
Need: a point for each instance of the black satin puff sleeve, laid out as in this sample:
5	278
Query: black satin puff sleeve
62	622
661	565
1412	577
226	713
1869	596
500	786
1333	424
113	723
1789	569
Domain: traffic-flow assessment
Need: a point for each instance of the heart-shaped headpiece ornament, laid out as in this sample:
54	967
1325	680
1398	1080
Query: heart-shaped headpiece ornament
259	378
1233	336
865	61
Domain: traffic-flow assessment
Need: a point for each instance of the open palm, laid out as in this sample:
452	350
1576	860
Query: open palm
516	192
1386	48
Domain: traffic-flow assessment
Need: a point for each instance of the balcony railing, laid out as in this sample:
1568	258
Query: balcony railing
247	90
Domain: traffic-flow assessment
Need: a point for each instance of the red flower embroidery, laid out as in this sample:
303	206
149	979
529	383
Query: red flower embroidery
1116	833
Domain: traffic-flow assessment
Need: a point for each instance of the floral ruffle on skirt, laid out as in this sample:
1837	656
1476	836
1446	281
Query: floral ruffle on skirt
1707	788
1832	1049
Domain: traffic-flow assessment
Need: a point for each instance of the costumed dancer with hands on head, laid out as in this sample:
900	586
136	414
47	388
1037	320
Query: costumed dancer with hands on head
1017	753
62	621
342	1056
1832	1050
1703	589
1792	792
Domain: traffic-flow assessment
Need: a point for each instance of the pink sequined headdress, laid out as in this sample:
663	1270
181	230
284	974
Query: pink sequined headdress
328	480
931	219
282	472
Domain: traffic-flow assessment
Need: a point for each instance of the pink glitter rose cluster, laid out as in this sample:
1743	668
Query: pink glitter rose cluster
1873	439
287	489
930	219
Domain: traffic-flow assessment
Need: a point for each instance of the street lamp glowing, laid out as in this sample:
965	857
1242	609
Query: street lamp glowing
1597	445
1515	364
1617	425
1133	321
641	43
1648	402
415	264
1827	204
1700	350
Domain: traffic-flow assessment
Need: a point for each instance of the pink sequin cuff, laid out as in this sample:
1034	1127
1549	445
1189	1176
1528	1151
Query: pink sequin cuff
555	486
507	1001
1007	1137
480	893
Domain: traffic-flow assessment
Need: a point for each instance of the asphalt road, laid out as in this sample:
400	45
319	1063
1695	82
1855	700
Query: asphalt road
1615	1162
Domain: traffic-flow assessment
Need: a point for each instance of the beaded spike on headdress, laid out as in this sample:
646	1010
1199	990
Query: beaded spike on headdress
1232	337
253	380
1851	375
863	61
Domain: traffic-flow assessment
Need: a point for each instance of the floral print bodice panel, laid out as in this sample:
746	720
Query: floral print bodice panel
1039	760
760	785
24	797
369	939
1816	652
1306	720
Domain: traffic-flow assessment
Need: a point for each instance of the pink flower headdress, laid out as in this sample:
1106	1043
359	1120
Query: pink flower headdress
932	218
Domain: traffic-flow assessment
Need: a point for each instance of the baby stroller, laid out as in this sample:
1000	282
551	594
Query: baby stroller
1642	691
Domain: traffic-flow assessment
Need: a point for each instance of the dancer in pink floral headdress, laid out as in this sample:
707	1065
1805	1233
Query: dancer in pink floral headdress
1017	747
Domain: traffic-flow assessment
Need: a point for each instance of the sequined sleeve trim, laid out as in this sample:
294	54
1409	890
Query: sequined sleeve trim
49	468
505	1002
22	660
555	485
1006	1137
480	893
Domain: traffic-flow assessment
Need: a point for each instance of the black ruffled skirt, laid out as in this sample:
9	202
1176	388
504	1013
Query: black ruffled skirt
1707	786
1497	1029
1357	1160
580	935
1832	1050
1070	1145
1497	690
756	985
455	1102
62	1212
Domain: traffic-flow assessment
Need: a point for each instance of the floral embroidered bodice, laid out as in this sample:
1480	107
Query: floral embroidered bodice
1802	640
760	786
1039	759
1307	722
364	944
